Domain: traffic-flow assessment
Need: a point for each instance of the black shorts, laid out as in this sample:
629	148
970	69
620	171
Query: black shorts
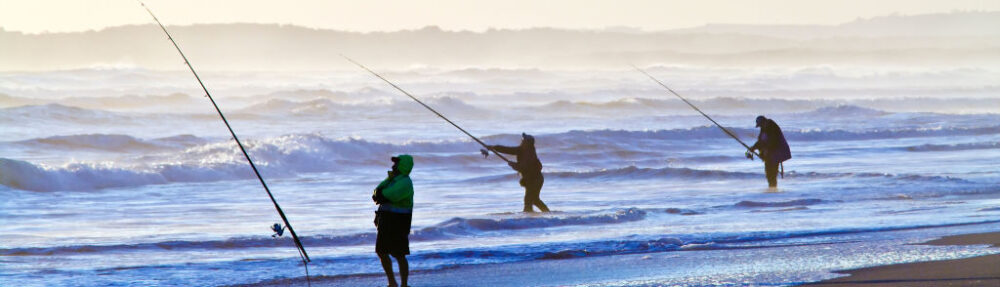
393	233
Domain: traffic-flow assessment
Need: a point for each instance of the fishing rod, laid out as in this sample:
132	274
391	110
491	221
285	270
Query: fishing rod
697	109
431	109
298	244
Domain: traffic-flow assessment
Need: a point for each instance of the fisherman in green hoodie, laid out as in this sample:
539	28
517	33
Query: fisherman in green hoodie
394	197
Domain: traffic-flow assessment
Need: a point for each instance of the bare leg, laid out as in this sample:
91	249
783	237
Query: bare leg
404	269
387	266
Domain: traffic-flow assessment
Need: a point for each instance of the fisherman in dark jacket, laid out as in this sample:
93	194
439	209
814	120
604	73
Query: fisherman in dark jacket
530	169
772	147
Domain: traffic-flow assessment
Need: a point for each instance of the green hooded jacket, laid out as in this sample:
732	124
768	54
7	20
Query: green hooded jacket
399	189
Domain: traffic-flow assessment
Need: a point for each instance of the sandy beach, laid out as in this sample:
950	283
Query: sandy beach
976	271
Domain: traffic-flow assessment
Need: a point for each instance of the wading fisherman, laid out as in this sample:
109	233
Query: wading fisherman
394	197
773	148
527	163
530	169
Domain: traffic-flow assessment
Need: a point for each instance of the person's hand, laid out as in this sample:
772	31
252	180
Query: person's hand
378	198
512	165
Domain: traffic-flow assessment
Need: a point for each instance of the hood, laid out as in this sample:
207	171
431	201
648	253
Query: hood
527	139
405	164
760	121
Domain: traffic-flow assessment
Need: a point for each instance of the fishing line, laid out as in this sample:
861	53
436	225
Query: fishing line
697	109
298	244
428	108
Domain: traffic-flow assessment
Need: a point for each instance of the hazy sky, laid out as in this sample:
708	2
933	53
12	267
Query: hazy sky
34	16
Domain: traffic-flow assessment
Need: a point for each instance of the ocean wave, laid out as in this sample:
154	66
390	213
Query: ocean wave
493	253
845	110
456	103
351	105
125	102
57	112
843	135
651	173
193	159
464	226
452	228
788	203
611	136
633	244
953	147
602	140
725	105
639	173
626	173
903	176
113	142
664	243
331	108
281	156
94	176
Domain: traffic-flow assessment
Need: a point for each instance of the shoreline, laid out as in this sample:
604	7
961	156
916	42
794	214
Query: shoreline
974	271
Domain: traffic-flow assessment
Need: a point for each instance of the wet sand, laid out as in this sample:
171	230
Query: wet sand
975	271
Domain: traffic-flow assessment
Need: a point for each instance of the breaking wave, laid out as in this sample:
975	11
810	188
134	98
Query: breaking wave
187	158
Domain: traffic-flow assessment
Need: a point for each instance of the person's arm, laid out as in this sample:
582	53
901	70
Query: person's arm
510	151
377	195
506	149
762	141
400	189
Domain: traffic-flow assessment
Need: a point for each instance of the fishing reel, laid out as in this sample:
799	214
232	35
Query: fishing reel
749	155
278	230
486	153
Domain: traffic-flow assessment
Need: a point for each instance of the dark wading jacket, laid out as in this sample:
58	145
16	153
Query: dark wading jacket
772	144
527	164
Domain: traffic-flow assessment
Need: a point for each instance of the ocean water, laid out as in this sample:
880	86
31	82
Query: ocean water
126	177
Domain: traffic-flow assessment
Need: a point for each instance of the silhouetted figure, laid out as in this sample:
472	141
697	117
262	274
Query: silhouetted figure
772	147
394	197
530	169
